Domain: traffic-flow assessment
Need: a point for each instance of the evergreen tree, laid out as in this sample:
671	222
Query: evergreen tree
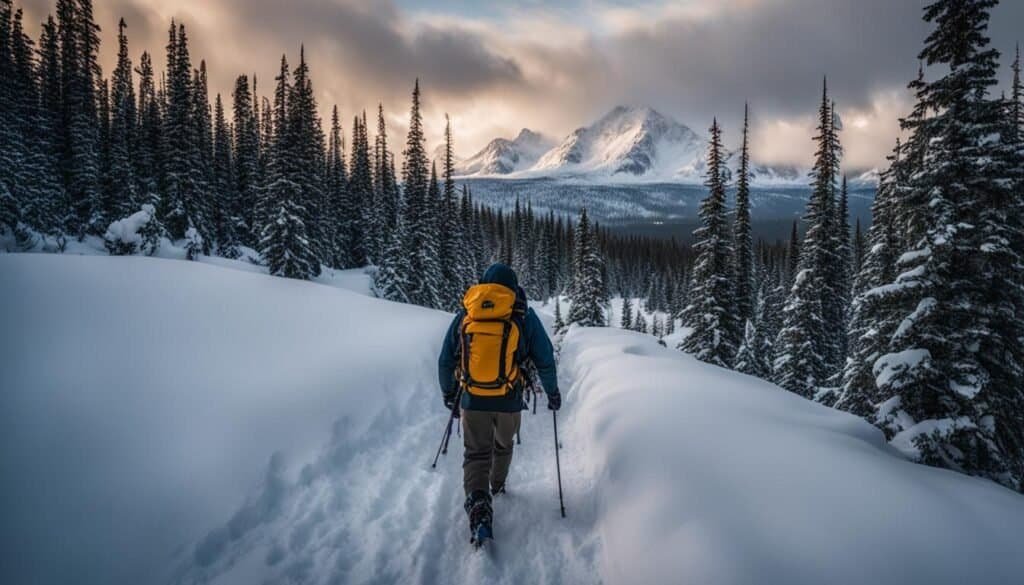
836	315
148	135
587	288
804	348
184	206
29	165
1015	111
339	208
246	160
793	255
382	211
361	196
743	290
306	160
228	221
78	36
53	208
393	277
954	363
559	325
420	214
121	185
285	243
859	251
202	153
456	271
714	335
627	312
640	322
748	359
873	318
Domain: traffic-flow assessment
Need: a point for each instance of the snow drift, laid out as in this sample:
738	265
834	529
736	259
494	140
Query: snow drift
708	476
143	399
171	421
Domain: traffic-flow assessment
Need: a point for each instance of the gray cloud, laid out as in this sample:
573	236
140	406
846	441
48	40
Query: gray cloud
555	69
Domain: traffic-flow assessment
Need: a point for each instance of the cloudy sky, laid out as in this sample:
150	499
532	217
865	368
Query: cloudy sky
497	67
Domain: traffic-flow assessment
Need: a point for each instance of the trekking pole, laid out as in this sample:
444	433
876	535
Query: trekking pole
448	430
558	465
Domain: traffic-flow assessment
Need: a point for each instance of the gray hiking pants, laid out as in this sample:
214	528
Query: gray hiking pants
488	438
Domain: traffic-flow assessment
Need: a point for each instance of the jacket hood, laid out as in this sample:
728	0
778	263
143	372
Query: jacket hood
499	273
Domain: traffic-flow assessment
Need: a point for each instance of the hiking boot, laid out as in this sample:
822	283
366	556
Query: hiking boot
497	489
478	507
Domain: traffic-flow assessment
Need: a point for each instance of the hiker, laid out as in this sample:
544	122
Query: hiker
487	343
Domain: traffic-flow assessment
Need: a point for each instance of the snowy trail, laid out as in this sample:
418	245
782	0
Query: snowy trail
371	510
122	466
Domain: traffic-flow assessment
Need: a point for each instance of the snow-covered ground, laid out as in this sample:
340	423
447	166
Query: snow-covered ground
172	421
709	476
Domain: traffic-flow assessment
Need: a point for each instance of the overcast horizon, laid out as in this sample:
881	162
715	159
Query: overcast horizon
553	67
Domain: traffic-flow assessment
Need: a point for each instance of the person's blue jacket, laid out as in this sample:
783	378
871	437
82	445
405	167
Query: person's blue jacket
534	345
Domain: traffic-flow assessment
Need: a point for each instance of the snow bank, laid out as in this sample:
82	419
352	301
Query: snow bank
143	399
171	421
707	476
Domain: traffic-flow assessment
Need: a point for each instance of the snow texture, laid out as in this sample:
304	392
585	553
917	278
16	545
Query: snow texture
169	421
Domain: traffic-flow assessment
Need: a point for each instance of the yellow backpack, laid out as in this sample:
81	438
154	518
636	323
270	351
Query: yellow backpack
489	337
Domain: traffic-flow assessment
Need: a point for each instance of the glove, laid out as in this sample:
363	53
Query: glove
449	402
554	401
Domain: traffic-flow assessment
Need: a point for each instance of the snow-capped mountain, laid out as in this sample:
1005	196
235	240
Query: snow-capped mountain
627	145
503	156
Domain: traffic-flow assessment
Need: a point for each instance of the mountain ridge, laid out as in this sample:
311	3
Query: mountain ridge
629	144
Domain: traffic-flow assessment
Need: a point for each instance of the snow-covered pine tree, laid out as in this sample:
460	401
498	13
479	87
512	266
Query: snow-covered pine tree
626	321
183	203
744	287
392	279
10	148
474	251
339	210
872	318
456	257
78	35
360	188
384	208
837	314
792	256
748	359
307	161
1015	108
246	159
585	294
421	224
53	208
804	346
559	325
28	166
954	364
285	244
228	224
859	251
205	200
640	322
715	332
